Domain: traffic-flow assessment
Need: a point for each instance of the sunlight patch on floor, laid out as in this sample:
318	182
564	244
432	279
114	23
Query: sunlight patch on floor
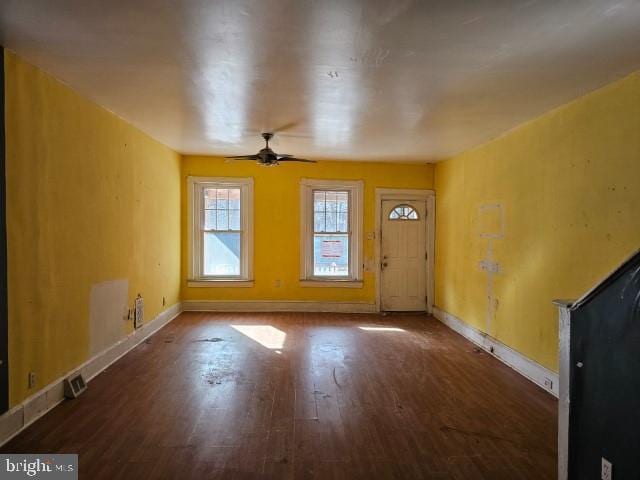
266	335
382	329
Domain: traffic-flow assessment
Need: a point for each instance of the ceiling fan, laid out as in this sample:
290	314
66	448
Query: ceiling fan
267	157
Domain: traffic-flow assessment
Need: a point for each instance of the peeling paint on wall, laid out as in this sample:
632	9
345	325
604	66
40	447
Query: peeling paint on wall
107	304
491	227
491	220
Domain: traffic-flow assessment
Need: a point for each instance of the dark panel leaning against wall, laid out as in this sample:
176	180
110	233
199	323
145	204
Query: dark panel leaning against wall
4	320
605	378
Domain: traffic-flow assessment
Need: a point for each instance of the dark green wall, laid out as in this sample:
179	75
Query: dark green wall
604	418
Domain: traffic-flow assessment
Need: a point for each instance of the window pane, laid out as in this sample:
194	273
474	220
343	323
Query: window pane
210	198
332	202
222	198
318	211
318	201
209	219
343	222
332	220
318	222
234	219
343	202
331	255
223	220
234	198
221	254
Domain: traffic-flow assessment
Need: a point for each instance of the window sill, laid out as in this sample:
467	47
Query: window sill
220	283
332	283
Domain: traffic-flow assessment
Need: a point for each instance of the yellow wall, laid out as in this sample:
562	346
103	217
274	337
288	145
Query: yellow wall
568	186
277	223
89	199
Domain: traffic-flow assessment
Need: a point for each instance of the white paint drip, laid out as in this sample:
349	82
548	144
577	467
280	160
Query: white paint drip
488	263
492	268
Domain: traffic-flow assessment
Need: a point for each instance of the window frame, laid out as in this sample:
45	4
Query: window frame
355	189
195	200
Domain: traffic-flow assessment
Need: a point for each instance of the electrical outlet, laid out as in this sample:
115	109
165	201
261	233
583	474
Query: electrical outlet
278	283
32	379
607	470
548	383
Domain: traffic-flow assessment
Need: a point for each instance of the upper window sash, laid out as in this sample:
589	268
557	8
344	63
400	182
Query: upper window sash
229	223
337	229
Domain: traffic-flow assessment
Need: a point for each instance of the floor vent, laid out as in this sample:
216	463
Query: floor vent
74	386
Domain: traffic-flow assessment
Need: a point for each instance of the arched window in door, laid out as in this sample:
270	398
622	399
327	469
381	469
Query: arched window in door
403	212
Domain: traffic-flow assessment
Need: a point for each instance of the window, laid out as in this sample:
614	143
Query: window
403	212
220	219
331	222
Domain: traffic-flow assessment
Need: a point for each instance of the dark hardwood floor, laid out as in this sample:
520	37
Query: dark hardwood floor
218	395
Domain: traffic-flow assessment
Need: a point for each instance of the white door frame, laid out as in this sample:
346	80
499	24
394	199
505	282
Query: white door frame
400	194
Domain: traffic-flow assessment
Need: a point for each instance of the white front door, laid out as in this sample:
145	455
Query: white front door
403	256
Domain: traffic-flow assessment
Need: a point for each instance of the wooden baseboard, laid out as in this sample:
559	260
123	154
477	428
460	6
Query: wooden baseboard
541	376
34	407
276	306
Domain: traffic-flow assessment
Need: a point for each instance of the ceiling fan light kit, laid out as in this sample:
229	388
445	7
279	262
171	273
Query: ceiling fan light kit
267	157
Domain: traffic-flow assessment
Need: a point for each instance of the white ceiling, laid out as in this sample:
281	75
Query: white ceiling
389	80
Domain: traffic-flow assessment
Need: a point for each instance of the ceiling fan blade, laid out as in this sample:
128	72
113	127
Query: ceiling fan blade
244	157
285	127
294	159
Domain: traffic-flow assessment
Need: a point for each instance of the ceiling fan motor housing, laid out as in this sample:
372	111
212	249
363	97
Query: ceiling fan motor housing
267	156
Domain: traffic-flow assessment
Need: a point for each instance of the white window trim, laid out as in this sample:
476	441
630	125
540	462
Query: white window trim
195	217
355	188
